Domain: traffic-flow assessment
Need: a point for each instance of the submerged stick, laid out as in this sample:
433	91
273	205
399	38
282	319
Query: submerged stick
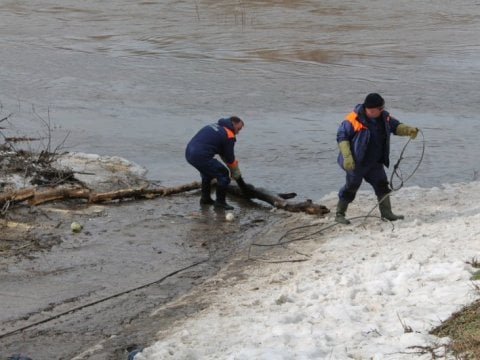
279	200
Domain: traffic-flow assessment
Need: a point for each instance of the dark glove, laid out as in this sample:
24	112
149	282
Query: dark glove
247	189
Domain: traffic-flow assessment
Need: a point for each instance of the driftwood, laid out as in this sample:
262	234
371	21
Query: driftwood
39	196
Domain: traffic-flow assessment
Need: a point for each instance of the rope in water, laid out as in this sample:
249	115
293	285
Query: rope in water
99	301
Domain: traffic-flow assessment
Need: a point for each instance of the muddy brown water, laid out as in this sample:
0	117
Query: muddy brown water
138	78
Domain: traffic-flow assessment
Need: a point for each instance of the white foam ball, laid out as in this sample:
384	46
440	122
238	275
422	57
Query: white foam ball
76	227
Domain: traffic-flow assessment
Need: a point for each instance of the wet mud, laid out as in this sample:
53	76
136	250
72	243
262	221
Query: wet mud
90	295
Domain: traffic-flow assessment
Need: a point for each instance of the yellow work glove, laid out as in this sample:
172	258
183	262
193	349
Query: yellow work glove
235	172
405	130
348	162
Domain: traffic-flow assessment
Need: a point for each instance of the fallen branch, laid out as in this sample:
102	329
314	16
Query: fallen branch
39	196
20	139
279	200
36	196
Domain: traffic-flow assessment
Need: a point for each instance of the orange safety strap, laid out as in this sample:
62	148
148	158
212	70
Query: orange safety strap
230	133
353	119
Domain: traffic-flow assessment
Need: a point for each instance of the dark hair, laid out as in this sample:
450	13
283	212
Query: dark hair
236	120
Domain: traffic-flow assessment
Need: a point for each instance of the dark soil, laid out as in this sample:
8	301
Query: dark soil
90	295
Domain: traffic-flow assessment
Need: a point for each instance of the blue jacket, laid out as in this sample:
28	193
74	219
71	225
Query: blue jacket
355	130
214	139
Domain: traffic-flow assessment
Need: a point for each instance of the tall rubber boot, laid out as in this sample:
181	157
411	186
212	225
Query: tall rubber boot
340	214
220	202
206	199
386	210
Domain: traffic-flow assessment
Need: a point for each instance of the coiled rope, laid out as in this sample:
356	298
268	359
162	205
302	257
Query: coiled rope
396	173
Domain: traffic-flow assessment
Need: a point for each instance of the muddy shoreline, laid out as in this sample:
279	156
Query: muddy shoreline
90	294
138	255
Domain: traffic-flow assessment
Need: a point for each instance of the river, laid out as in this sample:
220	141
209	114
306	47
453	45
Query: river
137	79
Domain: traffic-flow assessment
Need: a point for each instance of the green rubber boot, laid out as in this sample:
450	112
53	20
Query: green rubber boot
386	210
340	214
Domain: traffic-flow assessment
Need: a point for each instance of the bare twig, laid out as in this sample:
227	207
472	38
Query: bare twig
474	262
198	12
406	328
432	350
47	123
6	117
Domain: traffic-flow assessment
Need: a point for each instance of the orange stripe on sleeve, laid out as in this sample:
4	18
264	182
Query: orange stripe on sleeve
233	164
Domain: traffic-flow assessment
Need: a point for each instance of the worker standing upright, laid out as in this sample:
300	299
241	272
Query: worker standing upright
364	142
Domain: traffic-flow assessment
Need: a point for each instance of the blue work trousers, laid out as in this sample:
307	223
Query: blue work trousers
211	169
373	174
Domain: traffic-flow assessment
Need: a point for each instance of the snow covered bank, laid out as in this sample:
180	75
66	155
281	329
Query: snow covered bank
103	173
99	173
369	291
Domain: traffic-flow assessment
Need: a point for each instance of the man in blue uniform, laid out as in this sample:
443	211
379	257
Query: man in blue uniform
364	142
216	139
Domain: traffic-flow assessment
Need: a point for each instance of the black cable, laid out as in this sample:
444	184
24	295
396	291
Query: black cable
395	167
98	301
394	172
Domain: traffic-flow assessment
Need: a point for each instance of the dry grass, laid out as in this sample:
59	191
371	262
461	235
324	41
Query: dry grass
463	328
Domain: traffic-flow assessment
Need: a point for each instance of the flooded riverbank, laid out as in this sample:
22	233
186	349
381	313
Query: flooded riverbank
103	282
137	79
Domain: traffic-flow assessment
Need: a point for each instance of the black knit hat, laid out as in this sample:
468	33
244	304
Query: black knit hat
373	100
